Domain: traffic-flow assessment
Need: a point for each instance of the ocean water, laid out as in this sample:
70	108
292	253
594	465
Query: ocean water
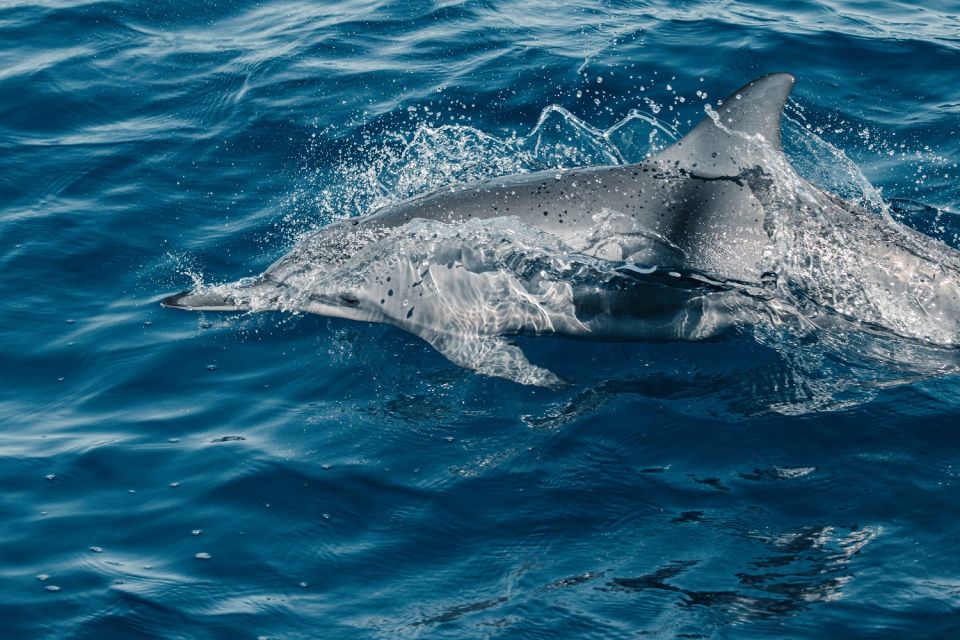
280	475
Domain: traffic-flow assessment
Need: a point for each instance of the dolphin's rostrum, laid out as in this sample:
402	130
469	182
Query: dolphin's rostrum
680	246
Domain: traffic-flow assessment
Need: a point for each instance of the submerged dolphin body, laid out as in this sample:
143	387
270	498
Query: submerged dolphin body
677	247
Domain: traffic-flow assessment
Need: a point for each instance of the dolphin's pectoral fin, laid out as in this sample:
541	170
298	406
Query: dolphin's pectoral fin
493	356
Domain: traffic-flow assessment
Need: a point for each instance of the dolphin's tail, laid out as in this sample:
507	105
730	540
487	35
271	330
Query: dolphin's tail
239	296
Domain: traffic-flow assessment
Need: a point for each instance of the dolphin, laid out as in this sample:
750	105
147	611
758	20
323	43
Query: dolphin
684	245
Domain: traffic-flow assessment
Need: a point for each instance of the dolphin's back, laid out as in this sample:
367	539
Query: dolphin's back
699	200
562	202
640	213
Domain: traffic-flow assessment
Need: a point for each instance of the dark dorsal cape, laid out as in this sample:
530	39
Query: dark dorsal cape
719	179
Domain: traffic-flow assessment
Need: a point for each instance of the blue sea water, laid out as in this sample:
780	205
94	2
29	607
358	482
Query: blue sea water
175	475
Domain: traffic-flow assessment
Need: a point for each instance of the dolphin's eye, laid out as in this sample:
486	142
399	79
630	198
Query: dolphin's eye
349	299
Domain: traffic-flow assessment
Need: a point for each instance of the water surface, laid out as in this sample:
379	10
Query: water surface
288	476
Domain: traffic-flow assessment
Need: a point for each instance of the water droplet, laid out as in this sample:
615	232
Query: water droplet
197	532
174	484
303	584
52	587
599	79
211	367
42	577
96	549
203	555
50	476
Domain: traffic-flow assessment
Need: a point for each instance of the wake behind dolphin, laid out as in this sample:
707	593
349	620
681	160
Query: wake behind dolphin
714	233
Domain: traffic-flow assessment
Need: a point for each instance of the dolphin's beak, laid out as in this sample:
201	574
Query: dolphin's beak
204	301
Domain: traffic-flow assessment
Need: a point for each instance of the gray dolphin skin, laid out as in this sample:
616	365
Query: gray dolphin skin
681	246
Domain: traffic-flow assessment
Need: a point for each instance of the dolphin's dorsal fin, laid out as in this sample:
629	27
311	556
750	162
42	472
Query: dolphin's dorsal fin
722	144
